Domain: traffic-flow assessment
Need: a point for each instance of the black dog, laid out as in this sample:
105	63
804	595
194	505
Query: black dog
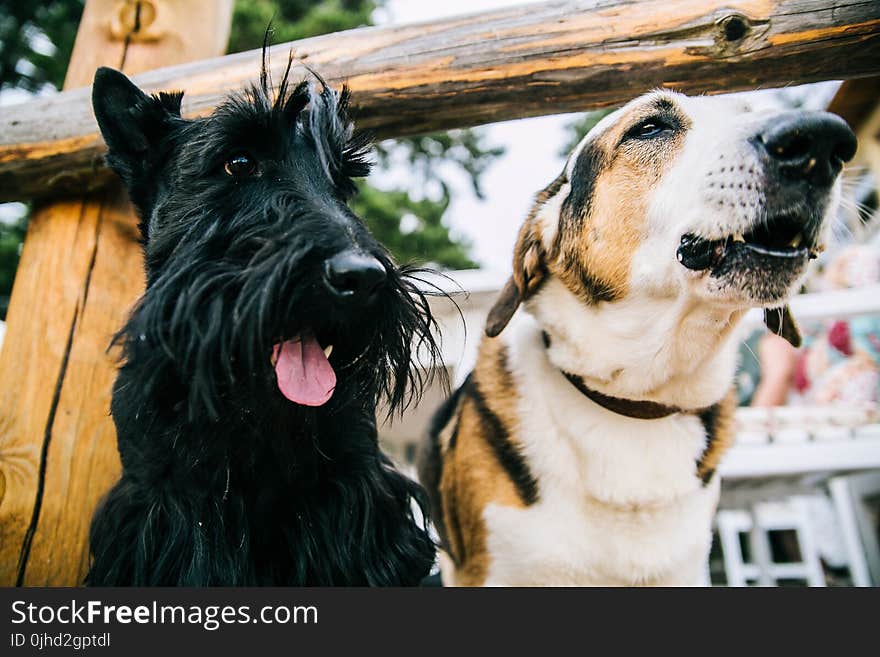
249	451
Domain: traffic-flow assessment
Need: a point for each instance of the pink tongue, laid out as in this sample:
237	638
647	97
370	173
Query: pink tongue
304	374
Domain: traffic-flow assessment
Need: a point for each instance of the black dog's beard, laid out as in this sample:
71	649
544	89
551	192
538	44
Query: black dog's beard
216	324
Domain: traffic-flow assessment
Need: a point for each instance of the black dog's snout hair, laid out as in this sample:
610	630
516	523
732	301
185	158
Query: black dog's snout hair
353	275
809	146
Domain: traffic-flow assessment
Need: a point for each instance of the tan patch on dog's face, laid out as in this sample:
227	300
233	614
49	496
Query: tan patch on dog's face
587	225
603	221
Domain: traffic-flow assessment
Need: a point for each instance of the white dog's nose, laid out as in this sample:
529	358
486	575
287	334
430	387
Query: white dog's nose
809	146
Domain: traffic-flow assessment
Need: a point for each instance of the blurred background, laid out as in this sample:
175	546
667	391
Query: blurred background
801	488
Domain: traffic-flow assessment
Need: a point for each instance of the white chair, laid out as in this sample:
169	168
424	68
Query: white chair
858	524
763	518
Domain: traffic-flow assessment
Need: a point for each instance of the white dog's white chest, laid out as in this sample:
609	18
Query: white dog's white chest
563	543
620	502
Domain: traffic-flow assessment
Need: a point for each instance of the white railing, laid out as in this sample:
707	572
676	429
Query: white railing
791	440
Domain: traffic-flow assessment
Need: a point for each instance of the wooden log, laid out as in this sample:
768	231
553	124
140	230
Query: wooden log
80	272
510	63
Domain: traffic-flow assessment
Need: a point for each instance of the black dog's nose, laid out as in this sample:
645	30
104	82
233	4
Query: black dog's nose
809	146
353	275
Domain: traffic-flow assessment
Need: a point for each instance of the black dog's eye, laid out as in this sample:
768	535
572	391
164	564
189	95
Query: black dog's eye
648	129
240	165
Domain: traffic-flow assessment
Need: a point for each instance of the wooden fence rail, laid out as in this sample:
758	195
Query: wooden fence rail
510	63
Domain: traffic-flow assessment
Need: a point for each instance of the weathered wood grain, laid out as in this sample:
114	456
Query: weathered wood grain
510	63
46	301
81	459
79	273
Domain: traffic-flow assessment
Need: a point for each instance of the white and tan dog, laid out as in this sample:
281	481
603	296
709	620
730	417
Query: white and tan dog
582	448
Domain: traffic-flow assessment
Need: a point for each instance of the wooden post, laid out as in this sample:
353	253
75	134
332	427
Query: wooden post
80	272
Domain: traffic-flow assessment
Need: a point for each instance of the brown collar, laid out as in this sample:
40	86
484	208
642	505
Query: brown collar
640	409
635	408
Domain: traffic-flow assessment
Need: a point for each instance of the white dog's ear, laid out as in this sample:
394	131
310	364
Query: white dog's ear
781	322
528	272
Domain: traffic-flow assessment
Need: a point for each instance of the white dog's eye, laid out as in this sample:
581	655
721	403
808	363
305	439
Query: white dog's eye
648	129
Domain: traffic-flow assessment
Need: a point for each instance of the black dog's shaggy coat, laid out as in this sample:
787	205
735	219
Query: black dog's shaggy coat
225	481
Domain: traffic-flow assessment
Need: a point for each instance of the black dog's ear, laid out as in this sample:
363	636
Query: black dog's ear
781	322
130	120
116	100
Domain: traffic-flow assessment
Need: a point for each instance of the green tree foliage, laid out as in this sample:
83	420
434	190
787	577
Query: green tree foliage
406	225
294	19
36	40
11	237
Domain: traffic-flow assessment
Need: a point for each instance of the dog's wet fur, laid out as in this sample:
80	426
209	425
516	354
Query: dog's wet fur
226	481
